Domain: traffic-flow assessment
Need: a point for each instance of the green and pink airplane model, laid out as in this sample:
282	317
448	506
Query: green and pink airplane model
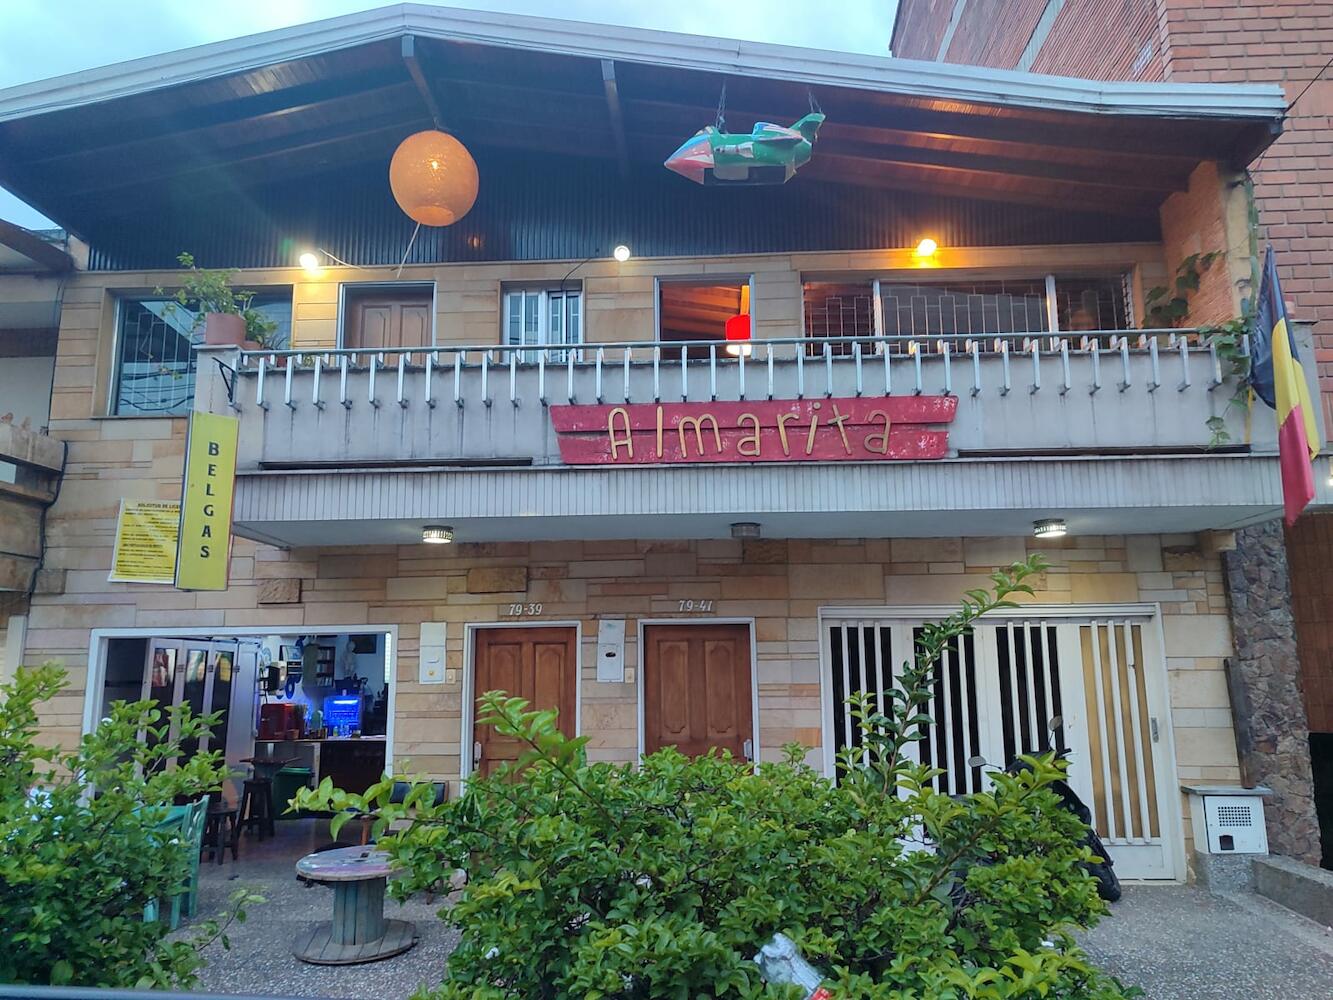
769	154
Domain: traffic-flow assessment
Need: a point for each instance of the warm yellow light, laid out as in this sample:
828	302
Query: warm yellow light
309	261
926	248
621	253
433	178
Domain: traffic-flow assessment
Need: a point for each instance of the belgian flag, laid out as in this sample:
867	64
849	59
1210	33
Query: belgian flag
1277	378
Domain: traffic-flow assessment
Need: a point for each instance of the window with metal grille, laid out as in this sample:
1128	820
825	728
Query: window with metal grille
836	309
1097	303
155	360
984	310
975	308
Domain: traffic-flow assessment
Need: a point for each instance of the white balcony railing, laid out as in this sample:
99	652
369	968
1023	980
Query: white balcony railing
1122	390
949	365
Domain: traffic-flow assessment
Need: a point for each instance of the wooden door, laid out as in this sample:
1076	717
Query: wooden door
388	318
696	689
538	664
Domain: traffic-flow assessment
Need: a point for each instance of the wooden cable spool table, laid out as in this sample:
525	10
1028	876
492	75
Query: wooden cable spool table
358	931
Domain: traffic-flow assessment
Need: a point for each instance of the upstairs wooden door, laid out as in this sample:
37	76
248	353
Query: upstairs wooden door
538	664
697	689
386	318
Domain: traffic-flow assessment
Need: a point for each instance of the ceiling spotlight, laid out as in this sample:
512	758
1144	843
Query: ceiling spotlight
1050	527
621	253
437	534
310	261
745	529
926	248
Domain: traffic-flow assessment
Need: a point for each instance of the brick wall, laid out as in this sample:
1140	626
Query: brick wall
920	28
1098	39
976	41
1287	44
1104	40
1196	222
1310	554
1254	41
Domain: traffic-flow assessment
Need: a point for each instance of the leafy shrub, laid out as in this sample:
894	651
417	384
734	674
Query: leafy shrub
602	881
81	853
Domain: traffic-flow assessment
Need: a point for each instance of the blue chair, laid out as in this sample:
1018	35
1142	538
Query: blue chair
187	825
192	832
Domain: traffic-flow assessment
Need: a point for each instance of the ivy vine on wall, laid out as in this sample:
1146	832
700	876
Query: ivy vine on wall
1168	307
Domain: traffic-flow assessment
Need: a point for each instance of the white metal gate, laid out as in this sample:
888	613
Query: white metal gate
996	693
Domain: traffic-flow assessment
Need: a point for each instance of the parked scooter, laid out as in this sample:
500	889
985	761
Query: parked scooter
1102	868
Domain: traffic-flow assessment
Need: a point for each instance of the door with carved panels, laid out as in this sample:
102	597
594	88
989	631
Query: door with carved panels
697	689
1025	685
537	664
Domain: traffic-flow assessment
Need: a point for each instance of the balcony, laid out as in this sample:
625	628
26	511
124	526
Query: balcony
31	465
992	412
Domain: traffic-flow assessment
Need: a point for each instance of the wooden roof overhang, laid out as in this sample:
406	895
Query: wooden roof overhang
293	103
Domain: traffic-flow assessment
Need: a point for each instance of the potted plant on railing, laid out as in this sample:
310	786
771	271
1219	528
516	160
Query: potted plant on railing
226	314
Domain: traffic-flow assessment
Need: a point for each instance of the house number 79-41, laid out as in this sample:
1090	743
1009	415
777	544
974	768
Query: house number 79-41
692	605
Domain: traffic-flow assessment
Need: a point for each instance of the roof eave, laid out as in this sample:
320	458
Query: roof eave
45	257
941	81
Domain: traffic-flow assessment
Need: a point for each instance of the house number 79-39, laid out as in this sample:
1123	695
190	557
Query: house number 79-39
692	605
523	609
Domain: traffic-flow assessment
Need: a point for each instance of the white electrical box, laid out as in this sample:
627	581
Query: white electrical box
1228	820
611	651
430	668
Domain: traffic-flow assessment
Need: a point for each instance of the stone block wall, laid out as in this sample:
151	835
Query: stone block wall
779	583
1266	681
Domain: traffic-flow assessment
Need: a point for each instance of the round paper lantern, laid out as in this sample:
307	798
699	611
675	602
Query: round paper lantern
433	178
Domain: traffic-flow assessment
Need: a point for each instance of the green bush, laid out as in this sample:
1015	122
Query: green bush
602	881
81	854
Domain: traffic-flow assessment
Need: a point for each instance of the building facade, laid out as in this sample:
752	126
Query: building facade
671	541
1290	45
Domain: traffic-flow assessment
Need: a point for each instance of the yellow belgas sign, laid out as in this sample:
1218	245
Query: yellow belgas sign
204	550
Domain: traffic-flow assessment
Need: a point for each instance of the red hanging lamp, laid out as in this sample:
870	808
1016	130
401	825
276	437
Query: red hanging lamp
738	335
737	328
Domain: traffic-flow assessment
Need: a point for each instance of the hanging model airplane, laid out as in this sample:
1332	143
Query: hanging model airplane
769	154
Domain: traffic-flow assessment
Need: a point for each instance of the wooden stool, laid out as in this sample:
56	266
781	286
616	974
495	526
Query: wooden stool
221	830
257	807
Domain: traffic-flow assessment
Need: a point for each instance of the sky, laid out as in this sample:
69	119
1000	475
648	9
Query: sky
45	38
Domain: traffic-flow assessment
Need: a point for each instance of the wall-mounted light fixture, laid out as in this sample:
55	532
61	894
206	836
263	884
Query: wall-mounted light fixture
313	261
745	529
437	534
1050	527
927	247
621	253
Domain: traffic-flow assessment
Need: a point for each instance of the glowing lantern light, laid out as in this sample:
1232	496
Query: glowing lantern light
433	178
738	335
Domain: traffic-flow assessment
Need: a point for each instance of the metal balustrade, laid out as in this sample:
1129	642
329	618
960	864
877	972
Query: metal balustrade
1148	390
649	371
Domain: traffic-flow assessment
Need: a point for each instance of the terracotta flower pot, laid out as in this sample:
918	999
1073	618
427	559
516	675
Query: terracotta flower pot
224	330
251	345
